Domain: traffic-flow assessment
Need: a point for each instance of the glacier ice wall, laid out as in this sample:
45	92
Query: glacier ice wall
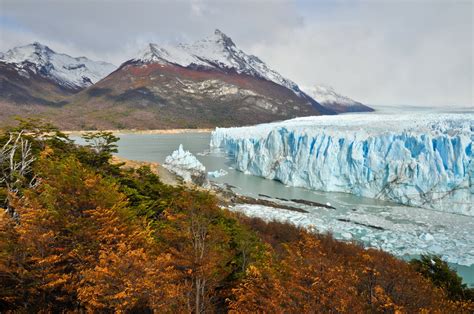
418	160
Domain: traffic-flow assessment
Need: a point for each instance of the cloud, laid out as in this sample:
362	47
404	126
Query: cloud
111	28
384	52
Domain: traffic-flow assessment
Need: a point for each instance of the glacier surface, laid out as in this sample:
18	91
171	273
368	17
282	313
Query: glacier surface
423	160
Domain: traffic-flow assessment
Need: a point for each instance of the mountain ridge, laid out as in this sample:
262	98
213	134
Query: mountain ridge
329	98
207	83
74	73
205	53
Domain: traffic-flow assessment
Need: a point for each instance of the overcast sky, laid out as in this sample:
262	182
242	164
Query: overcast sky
379	52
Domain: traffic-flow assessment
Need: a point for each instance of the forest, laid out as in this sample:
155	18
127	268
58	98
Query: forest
81	234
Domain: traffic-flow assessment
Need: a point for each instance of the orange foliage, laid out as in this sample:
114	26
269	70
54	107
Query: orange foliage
79	250
315	273
200	247
79	247
129	273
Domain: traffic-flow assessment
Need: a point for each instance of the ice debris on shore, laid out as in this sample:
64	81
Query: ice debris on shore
400	230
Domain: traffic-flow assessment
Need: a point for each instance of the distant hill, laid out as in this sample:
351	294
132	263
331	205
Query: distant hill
330	99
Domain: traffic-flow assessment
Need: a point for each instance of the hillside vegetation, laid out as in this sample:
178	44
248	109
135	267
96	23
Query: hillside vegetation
79	234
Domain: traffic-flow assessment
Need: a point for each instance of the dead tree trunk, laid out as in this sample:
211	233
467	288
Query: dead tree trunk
16	159
199	230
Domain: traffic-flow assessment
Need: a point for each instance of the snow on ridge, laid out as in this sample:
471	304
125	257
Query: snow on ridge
215	51
327	96
417	160
65	70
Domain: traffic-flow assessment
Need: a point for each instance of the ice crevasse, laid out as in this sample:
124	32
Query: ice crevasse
417	160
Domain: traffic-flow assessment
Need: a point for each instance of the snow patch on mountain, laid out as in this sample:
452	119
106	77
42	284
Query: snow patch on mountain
326	96
215	52
417	160
69	72
329	98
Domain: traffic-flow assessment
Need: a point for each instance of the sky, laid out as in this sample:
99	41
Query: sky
385	52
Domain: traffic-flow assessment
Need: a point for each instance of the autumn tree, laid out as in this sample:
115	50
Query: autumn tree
131	274
261	290
316	273
202	247
77	240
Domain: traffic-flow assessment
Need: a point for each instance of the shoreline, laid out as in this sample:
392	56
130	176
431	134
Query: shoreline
135	131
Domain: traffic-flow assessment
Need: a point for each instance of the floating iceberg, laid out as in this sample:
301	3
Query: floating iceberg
186	165
423	160
217	174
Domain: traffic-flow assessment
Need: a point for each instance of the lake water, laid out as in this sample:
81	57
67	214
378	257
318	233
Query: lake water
406	231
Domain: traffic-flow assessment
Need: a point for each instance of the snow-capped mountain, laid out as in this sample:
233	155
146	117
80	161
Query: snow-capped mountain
70	73
217	51
208	83
328	98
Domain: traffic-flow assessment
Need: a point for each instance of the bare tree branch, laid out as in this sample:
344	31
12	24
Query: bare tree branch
16	159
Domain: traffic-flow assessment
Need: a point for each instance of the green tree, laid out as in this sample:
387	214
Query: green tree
439	272
98	151
101	142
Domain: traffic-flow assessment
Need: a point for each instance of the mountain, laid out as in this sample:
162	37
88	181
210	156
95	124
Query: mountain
69	73
217	52
328	98
208	83
25	86
37	81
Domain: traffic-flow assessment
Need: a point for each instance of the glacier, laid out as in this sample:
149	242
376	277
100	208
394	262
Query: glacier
422	160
